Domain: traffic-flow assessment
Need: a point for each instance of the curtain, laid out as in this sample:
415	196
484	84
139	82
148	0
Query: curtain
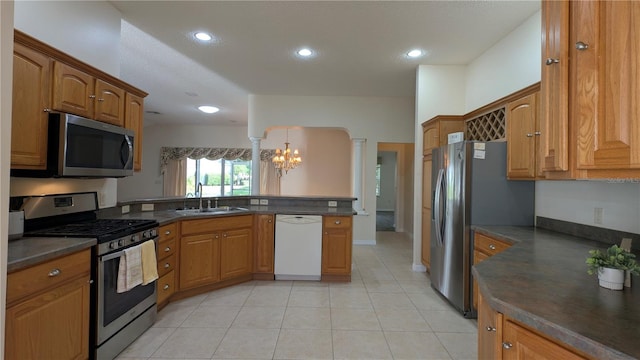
175	178
269	179
180	153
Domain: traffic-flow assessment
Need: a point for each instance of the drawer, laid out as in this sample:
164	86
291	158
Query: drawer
489	246
47	275
166	248
167	232
337	222
167	264
166	286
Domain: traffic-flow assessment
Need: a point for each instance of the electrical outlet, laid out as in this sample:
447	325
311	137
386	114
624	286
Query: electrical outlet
255	202
126	209
147	207
333	203
264	201
597	215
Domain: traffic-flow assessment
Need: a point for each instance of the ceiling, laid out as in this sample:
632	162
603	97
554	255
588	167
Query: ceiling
359	49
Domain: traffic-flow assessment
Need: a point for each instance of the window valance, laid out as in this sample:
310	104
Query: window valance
180	153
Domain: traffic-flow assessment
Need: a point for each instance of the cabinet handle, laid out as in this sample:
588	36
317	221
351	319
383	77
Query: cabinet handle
492	247
46	110
529	135
551	61
507	345
537	133
165	287
101	99
167	232
54	272
166	266
491	328
167	249
92	96
581	46
338	222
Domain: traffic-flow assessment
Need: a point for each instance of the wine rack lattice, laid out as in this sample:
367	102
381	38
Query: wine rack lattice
487	127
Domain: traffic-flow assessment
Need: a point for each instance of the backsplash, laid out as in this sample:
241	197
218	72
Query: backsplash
607	236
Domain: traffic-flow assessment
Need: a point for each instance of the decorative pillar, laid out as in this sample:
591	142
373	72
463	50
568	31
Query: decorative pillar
358	169
255	165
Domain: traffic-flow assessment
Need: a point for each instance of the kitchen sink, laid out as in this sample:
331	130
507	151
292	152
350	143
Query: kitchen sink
210	211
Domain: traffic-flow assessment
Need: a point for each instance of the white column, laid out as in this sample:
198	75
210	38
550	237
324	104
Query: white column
358	165
255	165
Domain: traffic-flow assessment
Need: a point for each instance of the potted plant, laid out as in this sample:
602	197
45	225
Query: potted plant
611	266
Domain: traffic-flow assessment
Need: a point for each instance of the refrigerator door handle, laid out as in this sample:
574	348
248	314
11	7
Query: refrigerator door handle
437	209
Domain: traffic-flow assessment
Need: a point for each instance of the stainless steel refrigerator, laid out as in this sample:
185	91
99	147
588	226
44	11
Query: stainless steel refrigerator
469	187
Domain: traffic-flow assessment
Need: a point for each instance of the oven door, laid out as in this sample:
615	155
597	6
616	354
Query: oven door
116	310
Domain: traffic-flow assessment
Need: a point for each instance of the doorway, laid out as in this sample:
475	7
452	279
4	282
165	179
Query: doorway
386	188
394	187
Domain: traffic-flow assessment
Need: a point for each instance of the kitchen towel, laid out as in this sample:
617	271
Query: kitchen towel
149	262
130	269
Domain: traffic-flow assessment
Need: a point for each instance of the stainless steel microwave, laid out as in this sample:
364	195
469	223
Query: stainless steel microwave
80	147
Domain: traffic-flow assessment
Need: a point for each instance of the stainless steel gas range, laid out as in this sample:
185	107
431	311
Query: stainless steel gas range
117	318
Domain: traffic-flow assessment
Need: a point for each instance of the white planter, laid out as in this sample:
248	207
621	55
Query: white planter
611	278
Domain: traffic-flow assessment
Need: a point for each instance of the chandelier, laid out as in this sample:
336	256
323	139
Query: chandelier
285	160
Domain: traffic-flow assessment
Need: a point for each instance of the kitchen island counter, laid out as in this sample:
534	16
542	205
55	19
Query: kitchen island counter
542	282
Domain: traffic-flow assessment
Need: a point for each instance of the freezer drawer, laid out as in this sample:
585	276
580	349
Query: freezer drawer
298	247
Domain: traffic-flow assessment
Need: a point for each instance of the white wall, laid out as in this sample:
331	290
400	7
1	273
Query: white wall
6	74
387	198
57	23
373	119
510	65
98	45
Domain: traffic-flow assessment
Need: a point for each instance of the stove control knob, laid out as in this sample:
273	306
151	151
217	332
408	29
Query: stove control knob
121	242
154	232
112	245
134	238
146	235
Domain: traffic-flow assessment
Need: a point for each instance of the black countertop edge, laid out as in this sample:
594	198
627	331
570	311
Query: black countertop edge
498	280
240	197
28	251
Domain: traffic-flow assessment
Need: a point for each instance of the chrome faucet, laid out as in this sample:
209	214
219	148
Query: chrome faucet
200	194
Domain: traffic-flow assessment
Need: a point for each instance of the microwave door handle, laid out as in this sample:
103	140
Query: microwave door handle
126	144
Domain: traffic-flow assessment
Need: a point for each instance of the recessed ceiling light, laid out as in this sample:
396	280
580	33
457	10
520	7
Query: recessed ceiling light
415	53
208	109
304	52
203	36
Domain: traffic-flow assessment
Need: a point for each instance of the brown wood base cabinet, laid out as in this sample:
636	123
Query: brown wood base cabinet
47	313
337	244
167	262
264	247
484	247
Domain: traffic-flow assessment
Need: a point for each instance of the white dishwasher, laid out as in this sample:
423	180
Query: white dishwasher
298	248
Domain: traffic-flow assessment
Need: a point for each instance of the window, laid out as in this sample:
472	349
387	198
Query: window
378	179
218	177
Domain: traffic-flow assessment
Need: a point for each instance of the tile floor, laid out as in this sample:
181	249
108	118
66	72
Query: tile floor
386	312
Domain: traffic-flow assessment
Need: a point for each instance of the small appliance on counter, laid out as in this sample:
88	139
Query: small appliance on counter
16	224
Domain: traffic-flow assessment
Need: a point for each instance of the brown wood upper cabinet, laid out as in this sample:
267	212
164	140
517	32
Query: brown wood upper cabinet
523	138
133	120
599	90
79	93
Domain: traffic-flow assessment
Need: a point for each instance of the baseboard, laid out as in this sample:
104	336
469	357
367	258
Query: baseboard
419	268
364	242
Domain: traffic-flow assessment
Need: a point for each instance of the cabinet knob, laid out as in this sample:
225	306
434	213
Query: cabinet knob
551	61
224	235
491	328
507	345
537	133
166	266
165	287
101	99
338	222
46	110
167	249
270	221
492	247
167	232
529	135
54	272
92	96
581	46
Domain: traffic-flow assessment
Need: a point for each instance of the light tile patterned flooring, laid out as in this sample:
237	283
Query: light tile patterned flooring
386	312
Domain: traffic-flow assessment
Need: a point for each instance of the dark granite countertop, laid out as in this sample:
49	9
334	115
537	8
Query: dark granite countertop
542	282
28	251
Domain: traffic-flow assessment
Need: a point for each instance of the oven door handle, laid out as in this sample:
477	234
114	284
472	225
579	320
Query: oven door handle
111	256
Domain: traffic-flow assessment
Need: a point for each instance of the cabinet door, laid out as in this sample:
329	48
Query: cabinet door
31	99
133	120
52	325
264	247
522	132
521	343
109	103
606	98
73	90
336	245
554	86
236	253
199	260
489	331
430	138
478	256
427	164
